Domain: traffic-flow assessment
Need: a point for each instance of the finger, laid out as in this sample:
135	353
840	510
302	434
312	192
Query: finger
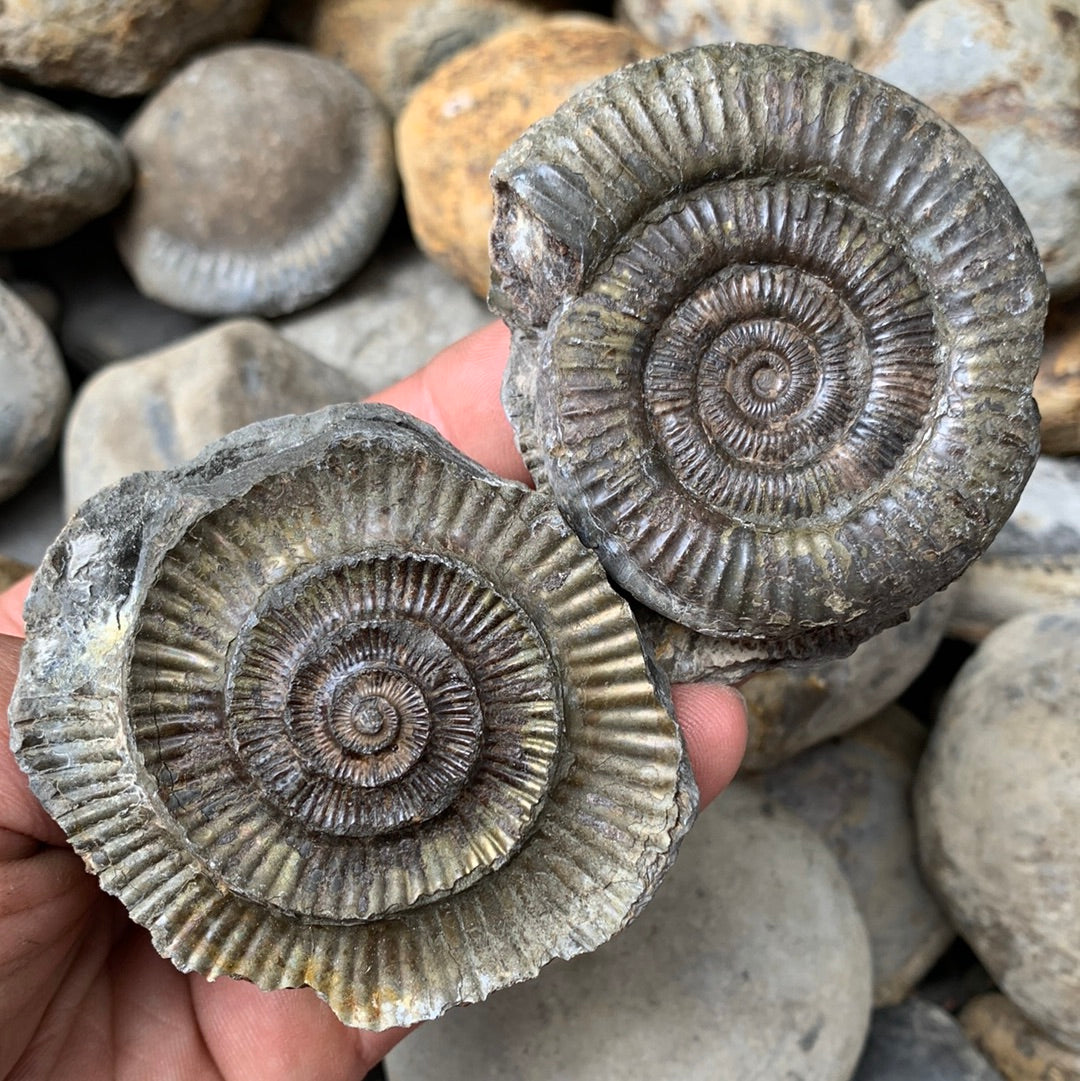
11	608
713	720
459	393
21	816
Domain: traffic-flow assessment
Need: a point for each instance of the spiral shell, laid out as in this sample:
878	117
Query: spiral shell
332	706
775	327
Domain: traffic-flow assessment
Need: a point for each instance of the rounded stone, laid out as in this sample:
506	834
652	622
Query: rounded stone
841	28
1057	384
918	1040
391	319
59	170
997	802
1004	72
854	793
753	952
104	318
264	179
159	410
1033	564
1014	1045
790	709
115	48
458	122
394	45
35	393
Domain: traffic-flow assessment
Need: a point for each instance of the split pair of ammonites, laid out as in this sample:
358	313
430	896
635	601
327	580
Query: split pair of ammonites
333	706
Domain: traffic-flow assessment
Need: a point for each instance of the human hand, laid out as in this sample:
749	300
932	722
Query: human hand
84	995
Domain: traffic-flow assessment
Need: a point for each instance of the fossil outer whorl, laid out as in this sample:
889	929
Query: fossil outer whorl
775	327
333	706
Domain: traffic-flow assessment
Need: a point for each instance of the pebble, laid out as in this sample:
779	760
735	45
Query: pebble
390	320
35	393
473	107
394	45
854	793
843	28
790	709
60	170
102	316
1005	73
1014	1045
997	802
156	411
750	962
115	48
1057	384
1033	564
918	1041
265	179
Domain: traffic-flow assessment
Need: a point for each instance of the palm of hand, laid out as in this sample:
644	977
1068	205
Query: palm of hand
84	995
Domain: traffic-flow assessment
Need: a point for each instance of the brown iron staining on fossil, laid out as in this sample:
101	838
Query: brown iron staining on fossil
333	706
775	328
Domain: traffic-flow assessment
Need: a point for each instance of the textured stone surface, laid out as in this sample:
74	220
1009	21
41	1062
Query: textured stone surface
156	411
1005	73
917	1041
34	394
473	107
854	792
58	170
842	28
331	705
264	179
391	319
997	803
754	453
1033	563
1014	1045
1057	384
790	709
751	961
111	47
394	45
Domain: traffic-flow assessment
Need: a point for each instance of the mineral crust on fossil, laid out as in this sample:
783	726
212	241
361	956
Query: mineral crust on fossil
775	328
333	706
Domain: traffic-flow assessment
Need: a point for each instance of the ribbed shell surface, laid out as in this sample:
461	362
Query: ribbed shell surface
775	328
332	706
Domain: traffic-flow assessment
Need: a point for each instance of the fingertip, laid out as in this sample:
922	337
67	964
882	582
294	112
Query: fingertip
459	393
713	719
12	601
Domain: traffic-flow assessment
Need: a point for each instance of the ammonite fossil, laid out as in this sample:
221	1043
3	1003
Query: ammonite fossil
333	706
775	327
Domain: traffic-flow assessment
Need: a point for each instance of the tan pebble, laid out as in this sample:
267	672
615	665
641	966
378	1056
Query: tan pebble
1057	385
843	28
115	48
394	45
461	119
1014	1045
997	807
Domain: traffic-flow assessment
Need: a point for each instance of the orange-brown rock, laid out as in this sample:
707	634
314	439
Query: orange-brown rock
474	106
1057	386
1014	1045
394	45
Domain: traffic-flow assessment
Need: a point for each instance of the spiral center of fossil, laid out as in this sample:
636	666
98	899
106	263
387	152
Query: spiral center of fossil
769	376
365	717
